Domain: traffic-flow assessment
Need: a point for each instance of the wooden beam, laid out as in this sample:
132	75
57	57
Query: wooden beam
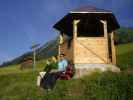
75	22
113	49
104	22
60	41
75	31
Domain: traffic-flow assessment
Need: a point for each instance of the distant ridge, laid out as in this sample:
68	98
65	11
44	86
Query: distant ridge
124	35
45	51
125	27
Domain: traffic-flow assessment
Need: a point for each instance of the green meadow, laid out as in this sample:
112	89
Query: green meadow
16	84
125	56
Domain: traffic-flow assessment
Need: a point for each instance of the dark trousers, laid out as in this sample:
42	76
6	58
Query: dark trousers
49	79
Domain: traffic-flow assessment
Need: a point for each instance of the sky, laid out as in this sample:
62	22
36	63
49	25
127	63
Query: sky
24	22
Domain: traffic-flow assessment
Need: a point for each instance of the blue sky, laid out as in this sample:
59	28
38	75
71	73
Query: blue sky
23	22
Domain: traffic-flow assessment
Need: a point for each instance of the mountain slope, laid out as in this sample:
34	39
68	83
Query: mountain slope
45	51
124	35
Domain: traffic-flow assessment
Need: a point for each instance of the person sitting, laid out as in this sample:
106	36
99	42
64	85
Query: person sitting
51	63
62	64
65	68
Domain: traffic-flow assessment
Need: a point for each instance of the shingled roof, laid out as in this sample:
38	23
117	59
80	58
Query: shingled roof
89	9
89	17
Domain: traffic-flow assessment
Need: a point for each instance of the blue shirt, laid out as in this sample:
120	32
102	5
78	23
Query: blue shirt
62	64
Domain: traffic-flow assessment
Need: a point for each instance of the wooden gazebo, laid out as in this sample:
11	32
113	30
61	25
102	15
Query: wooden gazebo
88	35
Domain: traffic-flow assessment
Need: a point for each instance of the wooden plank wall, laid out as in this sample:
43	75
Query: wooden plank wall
90	50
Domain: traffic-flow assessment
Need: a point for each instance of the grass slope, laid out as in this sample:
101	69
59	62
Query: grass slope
16	84
125	55
21	85
106	86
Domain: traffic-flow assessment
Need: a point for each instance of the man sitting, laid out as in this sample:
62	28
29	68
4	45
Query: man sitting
62	64
65	70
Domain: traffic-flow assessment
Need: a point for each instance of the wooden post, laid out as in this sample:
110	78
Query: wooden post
113	49
75	22
59	45
104	22
34	59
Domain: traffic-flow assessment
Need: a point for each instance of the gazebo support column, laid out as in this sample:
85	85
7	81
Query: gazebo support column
104	22
60	42
113	49
75	31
